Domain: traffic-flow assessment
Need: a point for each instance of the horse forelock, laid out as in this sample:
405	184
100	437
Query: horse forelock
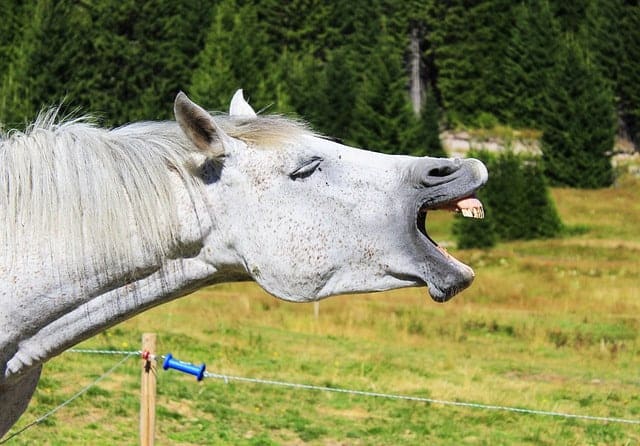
265	131
86	191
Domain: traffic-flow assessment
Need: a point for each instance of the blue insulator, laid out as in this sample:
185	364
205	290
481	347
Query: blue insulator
186	367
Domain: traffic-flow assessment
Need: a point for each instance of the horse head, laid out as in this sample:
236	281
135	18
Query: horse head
308	217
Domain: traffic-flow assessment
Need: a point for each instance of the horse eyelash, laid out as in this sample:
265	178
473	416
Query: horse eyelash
307	169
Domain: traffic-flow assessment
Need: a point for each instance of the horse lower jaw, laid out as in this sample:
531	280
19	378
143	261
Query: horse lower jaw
442	295
449	276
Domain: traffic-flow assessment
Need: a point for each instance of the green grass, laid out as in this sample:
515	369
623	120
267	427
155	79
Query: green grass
550	325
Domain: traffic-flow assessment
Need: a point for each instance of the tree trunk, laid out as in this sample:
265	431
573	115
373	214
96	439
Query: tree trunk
415	83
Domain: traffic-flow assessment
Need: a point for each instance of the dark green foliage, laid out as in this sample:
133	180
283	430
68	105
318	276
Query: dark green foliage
214	79
234	56
578	122
571	14
471	233
326	95
169	47
123	60
17	84
528	66
516	201
14	12
469	51
341	65
602	36
518	197
629	73
612	37
382	112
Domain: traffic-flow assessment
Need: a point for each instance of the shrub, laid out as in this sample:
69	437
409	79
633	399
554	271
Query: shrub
516	201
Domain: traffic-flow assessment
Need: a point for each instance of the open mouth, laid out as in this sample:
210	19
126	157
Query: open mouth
469	207
452	276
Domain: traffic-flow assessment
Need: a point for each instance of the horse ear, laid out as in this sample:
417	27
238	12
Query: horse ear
241	108
200	127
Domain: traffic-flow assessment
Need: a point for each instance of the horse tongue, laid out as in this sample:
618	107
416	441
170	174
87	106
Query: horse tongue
470	207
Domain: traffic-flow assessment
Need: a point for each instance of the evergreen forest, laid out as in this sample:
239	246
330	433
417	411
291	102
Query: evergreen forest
383	74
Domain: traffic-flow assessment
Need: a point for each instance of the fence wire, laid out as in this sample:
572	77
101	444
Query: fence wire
228	378
442	402
72	398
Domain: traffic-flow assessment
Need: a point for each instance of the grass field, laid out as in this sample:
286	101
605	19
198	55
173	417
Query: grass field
549	325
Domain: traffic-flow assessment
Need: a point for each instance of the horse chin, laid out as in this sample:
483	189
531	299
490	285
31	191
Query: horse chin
450	278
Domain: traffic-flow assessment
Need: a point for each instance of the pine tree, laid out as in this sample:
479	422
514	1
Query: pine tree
529	62
542	219
297	26
458	73
519	198
469	49
122	60
331	101
10	26
571	14
170	34
17	84
578	122
66	64
629	72
382	110
213	80
506	198
602	35
236	55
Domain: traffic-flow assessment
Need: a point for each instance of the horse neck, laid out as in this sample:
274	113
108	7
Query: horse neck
51	329
54	298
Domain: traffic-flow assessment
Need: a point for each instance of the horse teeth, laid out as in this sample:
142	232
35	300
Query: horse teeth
475	212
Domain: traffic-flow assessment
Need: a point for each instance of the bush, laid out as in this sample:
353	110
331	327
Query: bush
516	201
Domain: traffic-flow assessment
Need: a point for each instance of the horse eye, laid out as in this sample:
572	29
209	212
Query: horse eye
307	169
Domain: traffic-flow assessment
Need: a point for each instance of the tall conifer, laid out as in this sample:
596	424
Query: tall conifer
382	110
469	49
339	93
578	122
529	63
629	77
18	97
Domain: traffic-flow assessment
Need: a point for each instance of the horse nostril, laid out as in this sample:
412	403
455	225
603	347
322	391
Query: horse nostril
440	171
433	171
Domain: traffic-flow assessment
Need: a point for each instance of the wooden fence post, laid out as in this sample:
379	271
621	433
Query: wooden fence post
148	391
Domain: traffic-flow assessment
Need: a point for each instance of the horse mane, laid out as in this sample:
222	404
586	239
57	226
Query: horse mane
105	197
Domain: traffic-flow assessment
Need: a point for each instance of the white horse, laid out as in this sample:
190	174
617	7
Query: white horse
99	225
